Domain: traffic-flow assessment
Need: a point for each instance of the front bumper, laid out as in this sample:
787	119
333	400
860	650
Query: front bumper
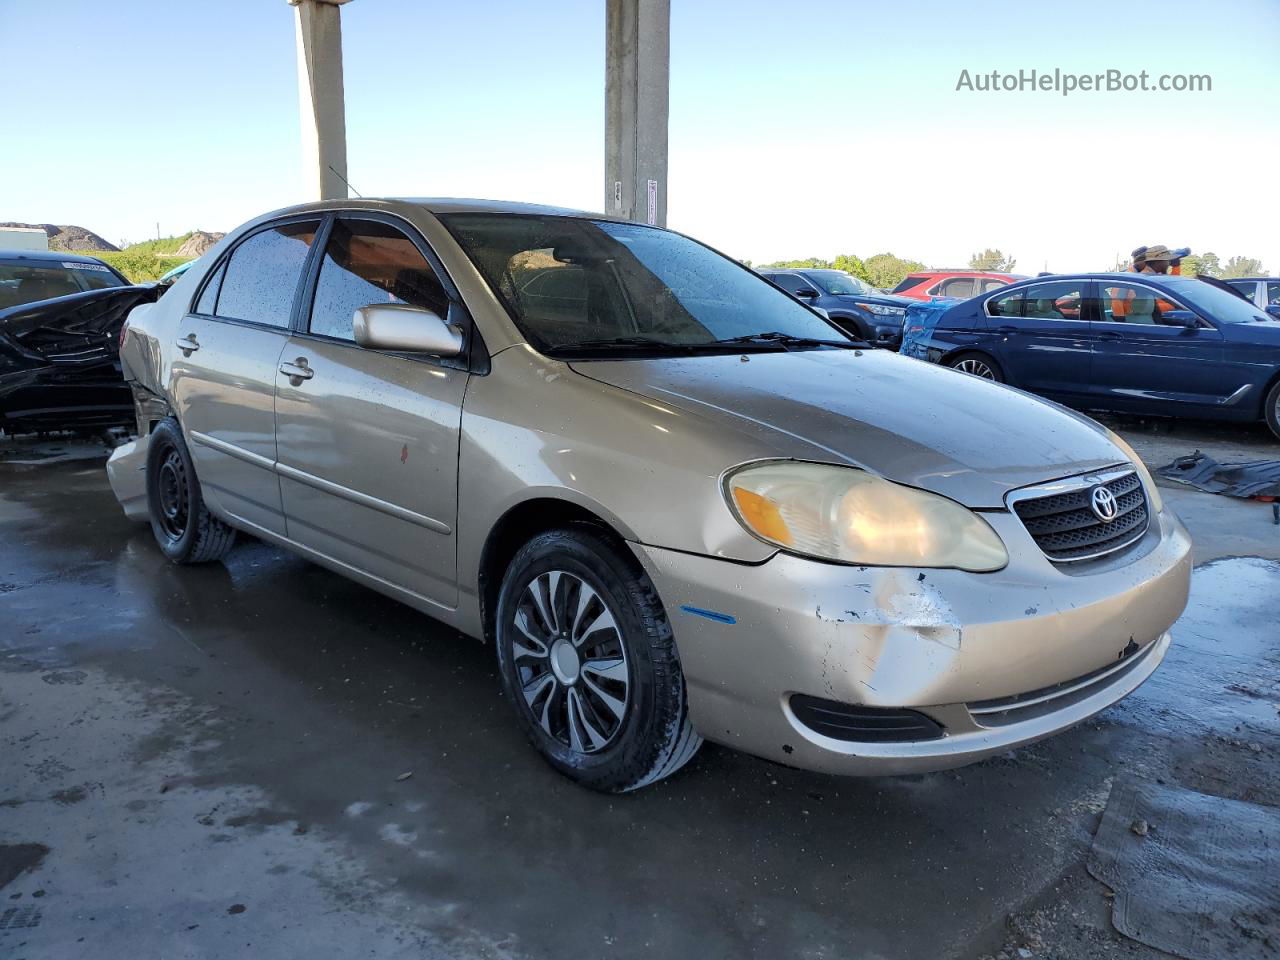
999	659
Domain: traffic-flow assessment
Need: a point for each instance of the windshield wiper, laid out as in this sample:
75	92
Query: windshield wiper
788	340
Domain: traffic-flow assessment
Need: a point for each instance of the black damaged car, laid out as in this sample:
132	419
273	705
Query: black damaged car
60	321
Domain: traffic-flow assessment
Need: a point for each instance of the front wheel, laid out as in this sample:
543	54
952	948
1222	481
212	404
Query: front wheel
588	661
977	365
1271	408
183	526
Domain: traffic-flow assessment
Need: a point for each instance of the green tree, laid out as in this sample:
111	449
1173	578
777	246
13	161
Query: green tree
813	263
852	265
1202	263
886	271
1243	267
992	260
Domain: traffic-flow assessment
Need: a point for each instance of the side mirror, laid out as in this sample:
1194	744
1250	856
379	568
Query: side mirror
405	329
1180	318
807	294
1274	310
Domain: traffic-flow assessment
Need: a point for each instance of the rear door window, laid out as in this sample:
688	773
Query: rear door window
368	262
1006	304
261	277
961	287
1273	292
1059	300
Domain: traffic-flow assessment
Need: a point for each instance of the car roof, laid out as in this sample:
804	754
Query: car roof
1160	279
55	255
960	273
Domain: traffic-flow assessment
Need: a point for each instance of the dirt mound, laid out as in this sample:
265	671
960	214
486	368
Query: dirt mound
199	242
69	237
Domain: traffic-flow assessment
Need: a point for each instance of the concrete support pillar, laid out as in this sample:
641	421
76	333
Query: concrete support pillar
324	124
637	81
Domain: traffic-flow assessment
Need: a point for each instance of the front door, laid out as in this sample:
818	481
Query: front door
1141	358
1042	337
367	440
224	371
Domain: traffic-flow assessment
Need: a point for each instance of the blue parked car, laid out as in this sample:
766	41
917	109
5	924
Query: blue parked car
852	304
1132	343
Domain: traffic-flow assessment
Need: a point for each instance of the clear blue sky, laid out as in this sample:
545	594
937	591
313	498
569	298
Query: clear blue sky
801	129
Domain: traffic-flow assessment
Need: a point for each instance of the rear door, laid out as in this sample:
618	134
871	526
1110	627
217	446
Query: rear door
1143	362
368	440
1041	337
224	370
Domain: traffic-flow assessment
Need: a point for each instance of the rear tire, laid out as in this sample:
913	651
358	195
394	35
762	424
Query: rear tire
1271	408
977	365
183	526
589	663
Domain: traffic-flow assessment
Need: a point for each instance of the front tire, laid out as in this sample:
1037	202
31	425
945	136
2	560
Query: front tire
183	526
588	661
1271	408
977	365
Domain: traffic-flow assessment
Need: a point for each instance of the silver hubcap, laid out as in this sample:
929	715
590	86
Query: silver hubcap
976	368
570	661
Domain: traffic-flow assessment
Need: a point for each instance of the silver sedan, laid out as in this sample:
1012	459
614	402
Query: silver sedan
680	504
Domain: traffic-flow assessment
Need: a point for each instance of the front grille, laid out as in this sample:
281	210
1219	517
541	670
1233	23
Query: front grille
854	723
1033	704
1065	527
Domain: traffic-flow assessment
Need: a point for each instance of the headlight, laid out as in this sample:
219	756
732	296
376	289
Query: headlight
851	516
1153	494
882	311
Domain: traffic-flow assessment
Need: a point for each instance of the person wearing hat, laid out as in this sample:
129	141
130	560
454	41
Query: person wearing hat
1156	259
1135	259
1175	264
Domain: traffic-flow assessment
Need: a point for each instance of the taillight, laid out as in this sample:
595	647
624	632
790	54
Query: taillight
124	328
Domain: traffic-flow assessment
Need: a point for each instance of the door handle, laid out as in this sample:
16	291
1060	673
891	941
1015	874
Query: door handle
188	344
1108	335
297	371
1006	330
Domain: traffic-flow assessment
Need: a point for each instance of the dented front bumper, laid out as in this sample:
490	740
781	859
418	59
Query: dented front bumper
999	659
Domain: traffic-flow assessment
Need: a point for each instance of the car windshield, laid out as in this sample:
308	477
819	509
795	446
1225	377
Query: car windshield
24	282
574	286
1216	303
839	283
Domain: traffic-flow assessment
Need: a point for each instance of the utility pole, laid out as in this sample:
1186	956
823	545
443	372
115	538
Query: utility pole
637	85
320	98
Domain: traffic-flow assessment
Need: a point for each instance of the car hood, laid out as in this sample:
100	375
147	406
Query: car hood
908	421
883	299
1261	332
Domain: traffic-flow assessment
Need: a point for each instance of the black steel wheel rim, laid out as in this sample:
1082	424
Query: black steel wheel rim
570	661
173	501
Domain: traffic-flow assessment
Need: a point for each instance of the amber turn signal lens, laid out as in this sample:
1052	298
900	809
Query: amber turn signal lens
762	516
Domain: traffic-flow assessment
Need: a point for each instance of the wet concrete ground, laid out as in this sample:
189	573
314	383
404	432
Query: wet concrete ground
209	762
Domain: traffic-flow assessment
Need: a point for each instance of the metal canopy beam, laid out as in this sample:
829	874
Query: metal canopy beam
320	98
637	82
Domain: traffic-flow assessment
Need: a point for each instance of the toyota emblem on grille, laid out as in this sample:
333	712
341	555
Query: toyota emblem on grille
1104	504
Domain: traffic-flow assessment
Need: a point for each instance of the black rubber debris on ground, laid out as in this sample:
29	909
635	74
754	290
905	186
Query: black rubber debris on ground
1198	878
1252	478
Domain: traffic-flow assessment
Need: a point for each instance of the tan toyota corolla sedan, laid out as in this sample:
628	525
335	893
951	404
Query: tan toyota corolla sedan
680	504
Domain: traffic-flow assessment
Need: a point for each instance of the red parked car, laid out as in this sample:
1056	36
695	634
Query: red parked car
952	283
